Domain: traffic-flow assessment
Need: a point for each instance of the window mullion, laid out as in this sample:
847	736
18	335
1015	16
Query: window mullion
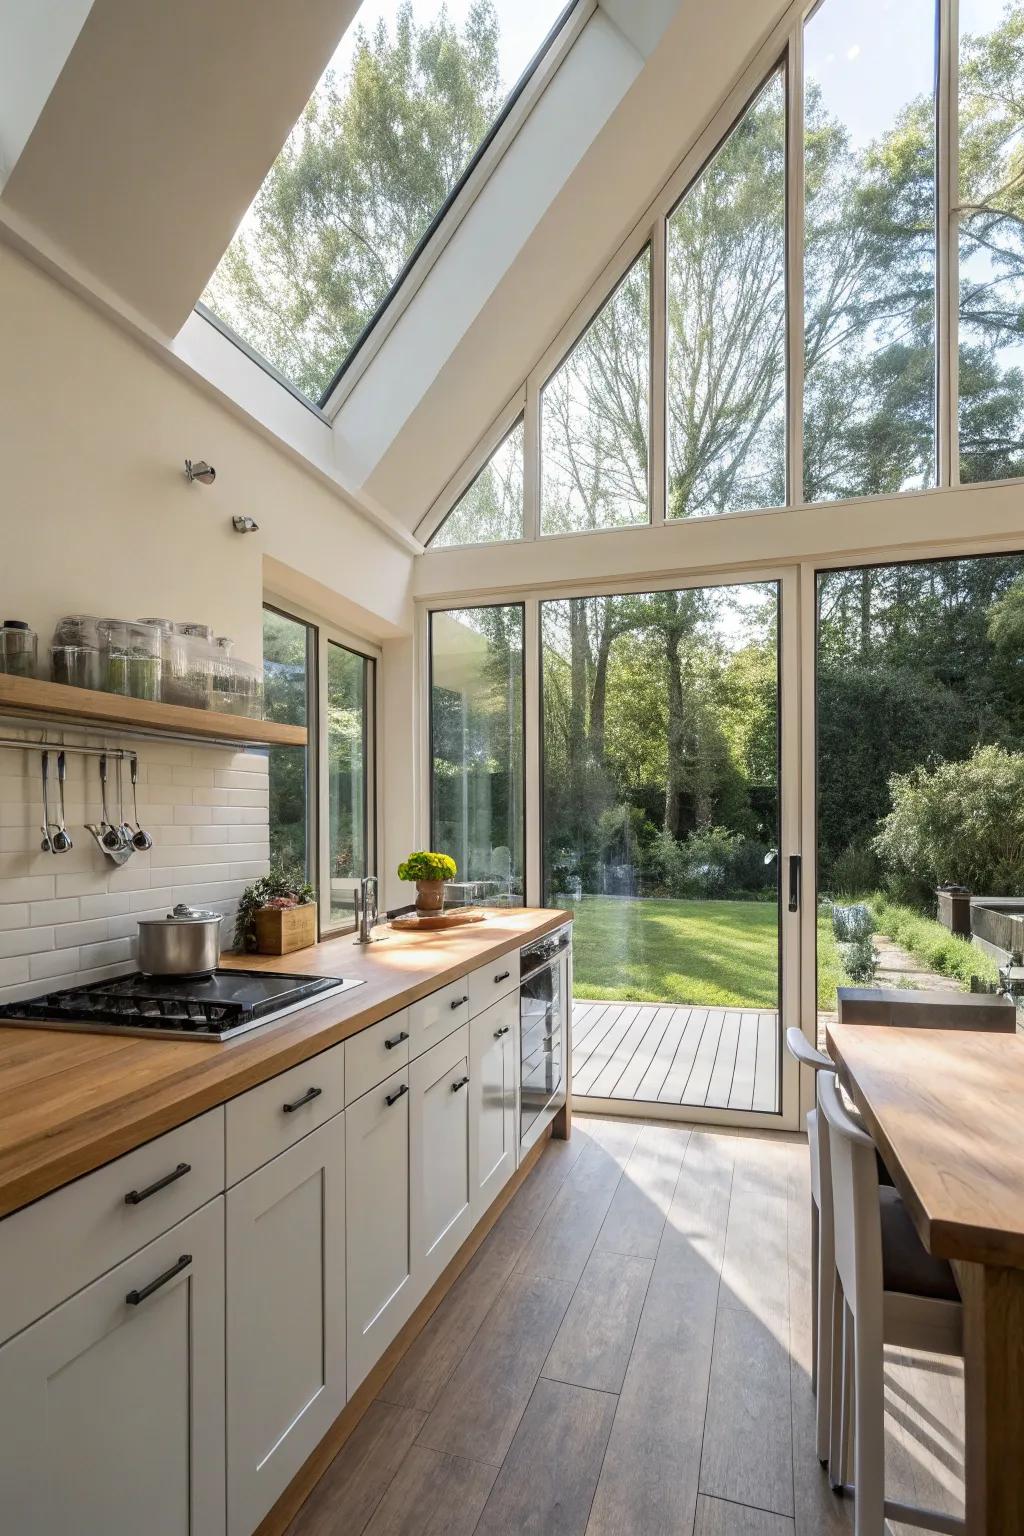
531	460
947	175
795	267
657	473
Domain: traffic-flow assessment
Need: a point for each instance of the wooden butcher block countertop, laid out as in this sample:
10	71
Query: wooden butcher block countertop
70	1102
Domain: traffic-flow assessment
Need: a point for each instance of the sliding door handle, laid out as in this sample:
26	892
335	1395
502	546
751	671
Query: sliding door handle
794	882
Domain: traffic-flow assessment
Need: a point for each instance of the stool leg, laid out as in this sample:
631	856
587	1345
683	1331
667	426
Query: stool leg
826	1406
815	1288
869	1428
838	1385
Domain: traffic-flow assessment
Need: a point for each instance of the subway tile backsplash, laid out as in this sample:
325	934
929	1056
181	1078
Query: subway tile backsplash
73	917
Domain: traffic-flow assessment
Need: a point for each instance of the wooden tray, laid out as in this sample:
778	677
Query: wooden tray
426	920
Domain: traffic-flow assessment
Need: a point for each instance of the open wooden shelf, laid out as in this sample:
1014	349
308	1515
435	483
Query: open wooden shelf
83	706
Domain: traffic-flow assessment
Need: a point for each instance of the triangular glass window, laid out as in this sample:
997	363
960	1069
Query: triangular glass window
490	511
409	101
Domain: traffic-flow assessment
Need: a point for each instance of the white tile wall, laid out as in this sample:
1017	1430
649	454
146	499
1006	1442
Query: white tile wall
73	916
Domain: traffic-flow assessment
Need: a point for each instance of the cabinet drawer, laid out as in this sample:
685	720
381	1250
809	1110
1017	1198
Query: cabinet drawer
267	1119
52	1249
375	1053
435	1017
490	982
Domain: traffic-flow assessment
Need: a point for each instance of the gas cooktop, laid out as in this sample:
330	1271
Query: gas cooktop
213	1007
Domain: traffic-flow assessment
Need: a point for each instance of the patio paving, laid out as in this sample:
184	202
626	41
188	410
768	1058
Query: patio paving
713	1058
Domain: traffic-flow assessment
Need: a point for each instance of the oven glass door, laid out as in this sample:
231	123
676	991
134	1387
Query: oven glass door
541	1022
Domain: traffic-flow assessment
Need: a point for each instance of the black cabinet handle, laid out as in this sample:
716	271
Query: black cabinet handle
393	1098
502	1031
457	1002
794	882
134	1297
503	976
136	1196
307	1098
460	1084
389	1045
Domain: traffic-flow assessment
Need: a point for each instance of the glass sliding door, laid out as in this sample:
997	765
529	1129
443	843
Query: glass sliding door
476	741
350	854
289	671
661	833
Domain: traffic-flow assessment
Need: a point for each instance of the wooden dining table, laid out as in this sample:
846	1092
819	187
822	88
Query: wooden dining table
946	1109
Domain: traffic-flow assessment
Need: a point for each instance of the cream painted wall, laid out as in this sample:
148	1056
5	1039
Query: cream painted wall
95	513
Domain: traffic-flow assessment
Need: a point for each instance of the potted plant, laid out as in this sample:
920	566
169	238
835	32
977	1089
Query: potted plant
430	871
276	914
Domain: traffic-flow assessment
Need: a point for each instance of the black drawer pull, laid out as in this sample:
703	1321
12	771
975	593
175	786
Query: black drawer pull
457	1002
393	1098
502	976
134	1297
389	1045
307	1098
460	1084
136	1196
504	1030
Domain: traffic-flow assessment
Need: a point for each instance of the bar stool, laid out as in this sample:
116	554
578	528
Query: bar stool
893	1292
803	1052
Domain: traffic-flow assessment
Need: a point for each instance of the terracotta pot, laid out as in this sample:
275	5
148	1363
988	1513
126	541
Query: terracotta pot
429	895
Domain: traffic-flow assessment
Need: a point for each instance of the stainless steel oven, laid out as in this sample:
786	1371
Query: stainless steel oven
543	1032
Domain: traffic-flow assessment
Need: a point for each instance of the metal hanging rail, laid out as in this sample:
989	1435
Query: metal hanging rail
59	746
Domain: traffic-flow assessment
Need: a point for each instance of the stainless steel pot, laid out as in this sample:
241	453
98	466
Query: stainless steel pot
184	943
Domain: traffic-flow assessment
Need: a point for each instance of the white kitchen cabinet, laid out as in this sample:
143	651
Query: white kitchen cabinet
439	1163
286	1380
380	1287
493	1054
112	1405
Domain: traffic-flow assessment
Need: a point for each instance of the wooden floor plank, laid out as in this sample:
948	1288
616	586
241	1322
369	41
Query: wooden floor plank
755	1269
605	1083
747	1455
741	1094
548	1480
695	1088
717	1518
561	1245
479	1410
355	1482
766	1068
643	1053
593	1345
433	1495
584	1018
603	1053
720	1081
676	1078
637	1214
653	1080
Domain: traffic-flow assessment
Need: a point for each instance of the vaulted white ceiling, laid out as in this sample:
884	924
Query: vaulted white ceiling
128	163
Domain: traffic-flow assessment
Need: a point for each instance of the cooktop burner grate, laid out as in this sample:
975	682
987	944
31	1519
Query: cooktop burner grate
212	1007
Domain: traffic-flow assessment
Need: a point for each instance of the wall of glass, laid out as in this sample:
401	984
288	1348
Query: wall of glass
350	679
289	666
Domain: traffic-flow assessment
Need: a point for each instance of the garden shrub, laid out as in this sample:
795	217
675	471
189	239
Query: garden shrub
852	924
854	870
859	960
961	823
931	944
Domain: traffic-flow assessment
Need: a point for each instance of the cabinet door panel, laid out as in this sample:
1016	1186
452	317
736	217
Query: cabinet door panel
493	1053
380	1294
440	1163
112	1413
285	1318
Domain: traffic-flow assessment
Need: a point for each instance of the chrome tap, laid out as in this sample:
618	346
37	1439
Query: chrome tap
367	910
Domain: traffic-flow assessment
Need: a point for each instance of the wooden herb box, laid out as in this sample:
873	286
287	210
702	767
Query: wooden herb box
279	930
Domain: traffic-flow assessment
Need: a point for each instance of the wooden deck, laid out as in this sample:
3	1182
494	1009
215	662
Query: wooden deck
718	1058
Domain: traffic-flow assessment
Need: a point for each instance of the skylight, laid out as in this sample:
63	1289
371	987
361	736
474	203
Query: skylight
409	99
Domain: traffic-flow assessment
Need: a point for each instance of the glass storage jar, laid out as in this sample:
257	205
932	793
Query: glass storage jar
247	691
132	658
181	680
18	648
75	653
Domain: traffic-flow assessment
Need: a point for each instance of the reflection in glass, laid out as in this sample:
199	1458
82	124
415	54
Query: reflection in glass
869	248
476	726
287	668
594	417
726	322
491	510
348	727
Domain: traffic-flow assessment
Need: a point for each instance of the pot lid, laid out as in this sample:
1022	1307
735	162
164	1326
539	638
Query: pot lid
184	914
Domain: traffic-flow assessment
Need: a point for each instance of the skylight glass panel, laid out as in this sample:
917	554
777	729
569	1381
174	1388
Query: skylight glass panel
408	98
490	511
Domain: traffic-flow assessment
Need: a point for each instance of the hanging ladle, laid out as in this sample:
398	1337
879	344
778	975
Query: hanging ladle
140	840
61	839
47	843
111	838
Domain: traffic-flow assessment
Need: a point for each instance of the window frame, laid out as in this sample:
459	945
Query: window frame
322	634
469	473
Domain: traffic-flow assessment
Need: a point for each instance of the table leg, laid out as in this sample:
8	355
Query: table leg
993	1301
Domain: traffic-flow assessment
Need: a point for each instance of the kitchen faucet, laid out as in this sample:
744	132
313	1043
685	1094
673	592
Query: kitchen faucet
366	909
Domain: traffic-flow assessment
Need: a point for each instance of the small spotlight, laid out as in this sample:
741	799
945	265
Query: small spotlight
201	471
245	525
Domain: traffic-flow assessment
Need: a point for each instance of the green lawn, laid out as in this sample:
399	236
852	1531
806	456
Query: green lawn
710	953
